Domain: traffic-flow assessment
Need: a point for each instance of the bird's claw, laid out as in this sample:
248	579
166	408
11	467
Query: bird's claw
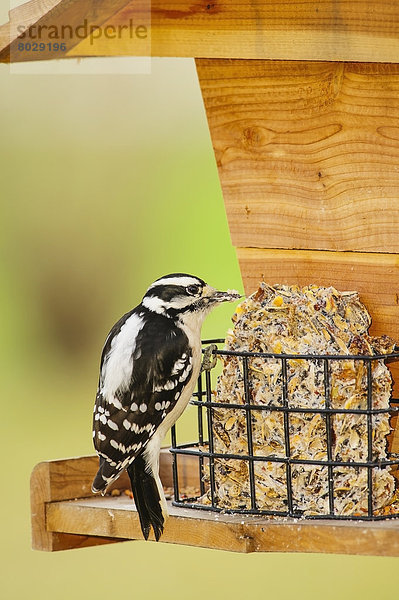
209	358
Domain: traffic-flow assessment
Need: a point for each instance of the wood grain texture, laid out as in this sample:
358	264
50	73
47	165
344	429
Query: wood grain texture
46	486
116	518
71	478
307	153
308	30
57	480
374	276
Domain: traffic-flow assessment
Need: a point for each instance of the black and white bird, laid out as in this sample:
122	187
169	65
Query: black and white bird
149	367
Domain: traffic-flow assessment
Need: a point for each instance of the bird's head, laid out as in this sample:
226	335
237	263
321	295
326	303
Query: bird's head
180	293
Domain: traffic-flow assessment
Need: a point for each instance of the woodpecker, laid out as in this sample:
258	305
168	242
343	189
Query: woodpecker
149	366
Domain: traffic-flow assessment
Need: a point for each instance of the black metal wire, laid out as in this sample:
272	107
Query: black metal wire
200	438
211	454
204	449
187	449
175	471
328	423
248	416
369	439
289	409
286	417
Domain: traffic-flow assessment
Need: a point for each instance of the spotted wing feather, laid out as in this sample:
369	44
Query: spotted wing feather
124	424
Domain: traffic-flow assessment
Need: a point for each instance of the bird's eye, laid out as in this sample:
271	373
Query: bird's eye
193	290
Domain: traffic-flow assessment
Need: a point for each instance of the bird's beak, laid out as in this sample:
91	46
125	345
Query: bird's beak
213	295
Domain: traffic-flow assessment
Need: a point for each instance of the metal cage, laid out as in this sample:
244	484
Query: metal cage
203	455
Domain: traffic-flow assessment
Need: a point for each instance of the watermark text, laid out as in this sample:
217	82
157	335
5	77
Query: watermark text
64	33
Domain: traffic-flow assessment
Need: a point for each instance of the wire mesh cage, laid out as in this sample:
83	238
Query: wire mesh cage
347	470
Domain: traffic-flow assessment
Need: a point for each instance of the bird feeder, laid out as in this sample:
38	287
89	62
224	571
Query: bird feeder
302	102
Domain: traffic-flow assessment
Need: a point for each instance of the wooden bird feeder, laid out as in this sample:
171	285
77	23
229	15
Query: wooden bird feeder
305	129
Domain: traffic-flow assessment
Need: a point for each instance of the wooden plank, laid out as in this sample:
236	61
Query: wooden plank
41	494
324	30
56	480
59	524
374	276
307	153
117	518
281	30
71	478
62	524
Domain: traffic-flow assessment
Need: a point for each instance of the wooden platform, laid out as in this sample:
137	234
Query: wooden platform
66	515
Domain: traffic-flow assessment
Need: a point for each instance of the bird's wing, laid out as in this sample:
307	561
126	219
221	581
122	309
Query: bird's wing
124	423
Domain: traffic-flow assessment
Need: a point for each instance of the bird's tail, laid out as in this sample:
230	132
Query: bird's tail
147	498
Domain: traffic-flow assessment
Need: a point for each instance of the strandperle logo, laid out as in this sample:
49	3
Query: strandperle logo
64	33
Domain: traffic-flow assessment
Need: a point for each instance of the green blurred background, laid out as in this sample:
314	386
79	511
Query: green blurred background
108	182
